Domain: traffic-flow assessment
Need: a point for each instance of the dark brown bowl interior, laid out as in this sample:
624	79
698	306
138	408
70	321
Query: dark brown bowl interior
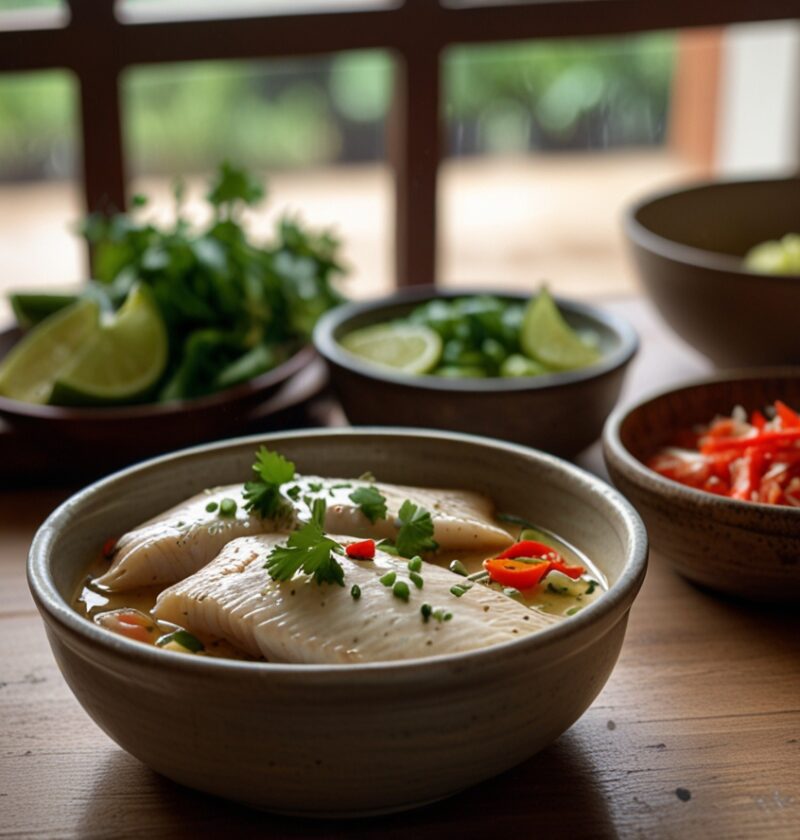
561	413
654	423
688	246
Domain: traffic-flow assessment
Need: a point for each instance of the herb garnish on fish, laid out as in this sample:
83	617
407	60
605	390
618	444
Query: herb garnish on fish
371	501
416	530
262	496
308	550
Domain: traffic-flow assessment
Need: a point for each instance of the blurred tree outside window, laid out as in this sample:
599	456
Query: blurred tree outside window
316	127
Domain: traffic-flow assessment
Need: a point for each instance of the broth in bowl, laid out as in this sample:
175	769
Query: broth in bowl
305	569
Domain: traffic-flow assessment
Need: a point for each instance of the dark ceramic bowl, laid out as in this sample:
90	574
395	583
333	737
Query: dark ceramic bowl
688	246
561	413
112	436
740	548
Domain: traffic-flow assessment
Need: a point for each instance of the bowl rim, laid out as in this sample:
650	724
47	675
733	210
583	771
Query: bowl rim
615	449
333	353
616	600
13	409
644	237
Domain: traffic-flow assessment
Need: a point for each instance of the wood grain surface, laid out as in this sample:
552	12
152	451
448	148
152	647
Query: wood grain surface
696	734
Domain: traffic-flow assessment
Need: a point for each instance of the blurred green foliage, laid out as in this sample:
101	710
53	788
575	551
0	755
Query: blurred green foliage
179	118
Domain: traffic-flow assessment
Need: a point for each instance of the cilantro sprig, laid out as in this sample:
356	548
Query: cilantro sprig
308	550
371	502
262	496
415	535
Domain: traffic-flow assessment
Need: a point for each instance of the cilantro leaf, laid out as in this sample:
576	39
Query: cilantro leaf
416	530
310	551
262	496
371	502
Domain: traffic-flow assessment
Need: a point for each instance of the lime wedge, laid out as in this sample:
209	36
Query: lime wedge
30	369
122	361
409	348
546	337
32	309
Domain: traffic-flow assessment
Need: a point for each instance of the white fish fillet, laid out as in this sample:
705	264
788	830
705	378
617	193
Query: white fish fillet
182	540
234	598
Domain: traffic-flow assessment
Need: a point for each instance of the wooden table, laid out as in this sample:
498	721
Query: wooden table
696	734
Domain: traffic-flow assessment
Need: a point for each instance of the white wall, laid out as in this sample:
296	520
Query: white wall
759	119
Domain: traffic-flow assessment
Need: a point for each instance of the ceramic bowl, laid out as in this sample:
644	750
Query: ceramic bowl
740	548
561	413
92	440
688	246
343	740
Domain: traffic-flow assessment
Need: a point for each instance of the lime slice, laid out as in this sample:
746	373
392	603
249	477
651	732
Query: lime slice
122	361
409	348
30	369
546	337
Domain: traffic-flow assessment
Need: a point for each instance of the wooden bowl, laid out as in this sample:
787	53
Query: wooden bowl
688	246
561	413
740	548
343	740
111	437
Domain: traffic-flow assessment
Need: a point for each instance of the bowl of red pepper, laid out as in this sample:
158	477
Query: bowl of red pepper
713	467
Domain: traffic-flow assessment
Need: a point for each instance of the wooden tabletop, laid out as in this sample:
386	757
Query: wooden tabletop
696	734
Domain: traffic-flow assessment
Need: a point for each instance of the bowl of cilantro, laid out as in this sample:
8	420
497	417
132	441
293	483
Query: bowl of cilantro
182	334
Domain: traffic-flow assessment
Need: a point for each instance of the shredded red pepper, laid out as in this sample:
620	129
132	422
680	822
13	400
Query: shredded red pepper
109	547
754	459
539	560
364	550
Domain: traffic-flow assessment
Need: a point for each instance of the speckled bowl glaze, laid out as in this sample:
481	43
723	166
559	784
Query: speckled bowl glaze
343	740
561	413
740	548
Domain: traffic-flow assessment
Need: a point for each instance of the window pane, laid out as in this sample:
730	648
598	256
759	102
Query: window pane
548	142
39	197
314	128
28	14
135	11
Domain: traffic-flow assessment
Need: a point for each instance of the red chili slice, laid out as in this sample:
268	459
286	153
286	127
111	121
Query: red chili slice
524	575
364	550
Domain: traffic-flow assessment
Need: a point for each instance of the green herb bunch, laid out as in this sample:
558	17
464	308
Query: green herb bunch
233	309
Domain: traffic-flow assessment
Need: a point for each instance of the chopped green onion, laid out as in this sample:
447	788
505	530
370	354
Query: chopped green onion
460	589
572	610
211	507
415	564
389	547
400	590
416	579
388	579
593	584
512	592
227	507
459	568
478	576
355	591
426	610
184	639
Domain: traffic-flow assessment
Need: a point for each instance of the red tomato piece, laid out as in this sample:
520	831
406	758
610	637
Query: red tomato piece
364	550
